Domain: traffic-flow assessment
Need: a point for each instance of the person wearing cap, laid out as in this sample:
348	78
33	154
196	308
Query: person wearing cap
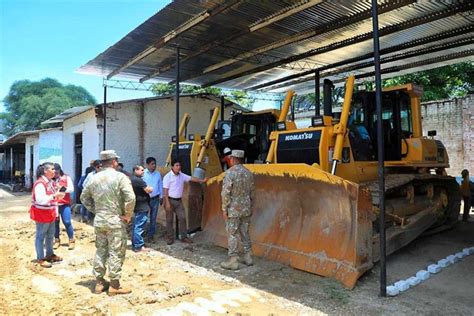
110	196
226	159
238	195
173	186
466	194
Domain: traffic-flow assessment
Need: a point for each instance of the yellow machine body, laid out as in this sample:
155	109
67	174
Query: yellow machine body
316	205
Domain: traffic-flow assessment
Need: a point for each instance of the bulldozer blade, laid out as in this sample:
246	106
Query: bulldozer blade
303	217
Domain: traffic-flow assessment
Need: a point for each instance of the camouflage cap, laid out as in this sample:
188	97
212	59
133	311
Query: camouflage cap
237	153
108	155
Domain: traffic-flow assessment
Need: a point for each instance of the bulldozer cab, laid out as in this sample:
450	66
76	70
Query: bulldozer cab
396	122
250	132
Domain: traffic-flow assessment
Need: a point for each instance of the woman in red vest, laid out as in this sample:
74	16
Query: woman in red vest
44	211
64	184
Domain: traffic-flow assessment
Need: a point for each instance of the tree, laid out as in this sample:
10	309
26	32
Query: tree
447	82
240	97
29	103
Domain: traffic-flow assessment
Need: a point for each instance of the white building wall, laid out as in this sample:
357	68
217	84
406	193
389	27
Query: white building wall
85	123
159	125
50	146
31	177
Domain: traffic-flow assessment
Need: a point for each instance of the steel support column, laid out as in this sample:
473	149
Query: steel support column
317	103
222	107
380	148
177	102
177	125
104	135
11	164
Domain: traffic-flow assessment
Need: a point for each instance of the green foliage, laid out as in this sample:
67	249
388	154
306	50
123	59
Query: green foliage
29	103
237	96
448	82
162	89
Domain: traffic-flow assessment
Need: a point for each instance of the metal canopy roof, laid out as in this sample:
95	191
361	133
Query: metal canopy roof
67	114
253	44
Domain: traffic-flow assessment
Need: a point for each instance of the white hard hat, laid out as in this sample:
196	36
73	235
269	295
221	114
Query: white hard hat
227	151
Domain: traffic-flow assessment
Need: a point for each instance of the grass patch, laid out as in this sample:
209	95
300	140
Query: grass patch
337	293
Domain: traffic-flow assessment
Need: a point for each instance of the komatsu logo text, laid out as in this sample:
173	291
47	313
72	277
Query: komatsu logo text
299	136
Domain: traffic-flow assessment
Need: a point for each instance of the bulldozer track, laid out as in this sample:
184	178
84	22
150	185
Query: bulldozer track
394	182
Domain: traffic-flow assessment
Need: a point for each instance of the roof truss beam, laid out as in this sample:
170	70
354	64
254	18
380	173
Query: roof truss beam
273	18
173	34
385	51
357	39
435	60
388	59
238	55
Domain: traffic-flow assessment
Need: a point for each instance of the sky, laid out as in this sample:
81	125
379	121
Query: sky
53	38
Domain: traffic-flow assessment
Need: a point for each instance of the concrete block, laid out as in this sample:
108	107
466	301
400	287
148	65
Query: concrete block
452	258
402	285
434	268
423	275
392	290
443	263
414	281
460	255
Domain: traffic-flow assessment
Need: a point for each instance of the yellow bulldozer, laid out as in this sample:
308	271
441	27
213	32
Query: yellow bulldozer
316	206
200	155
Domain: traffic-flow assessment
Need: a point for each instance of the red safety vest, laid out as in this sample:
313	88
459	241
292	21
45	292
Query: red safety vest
62	182
43	213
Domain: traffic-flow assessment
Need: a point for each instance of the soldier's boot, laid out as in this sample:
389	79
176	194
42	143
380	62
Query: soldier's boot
72	244
231	264
57	243
100	286
116	289
246	259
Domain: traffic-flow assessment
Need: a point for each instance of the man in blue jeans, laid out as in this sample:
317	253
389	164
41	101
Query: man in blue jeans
152	178
142	207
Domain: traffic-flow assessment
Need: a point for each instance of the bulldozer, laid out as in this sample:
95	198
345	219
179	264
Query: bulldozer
316	203
200	155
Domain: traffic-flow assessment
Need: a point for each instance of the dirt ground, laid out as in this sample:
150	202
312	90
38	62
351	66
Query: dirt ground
174	280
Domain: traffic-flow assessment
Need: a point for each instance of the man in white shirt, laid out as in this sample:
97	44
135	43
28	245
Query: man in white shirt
152	178
173	186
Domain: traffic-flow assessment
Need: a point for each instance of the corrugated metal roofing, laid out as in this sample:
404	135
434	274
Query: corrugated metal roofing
67	114
243	44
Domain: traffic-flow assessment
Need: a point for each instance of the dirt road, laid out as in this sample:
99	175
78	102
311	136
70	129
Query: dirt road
178	280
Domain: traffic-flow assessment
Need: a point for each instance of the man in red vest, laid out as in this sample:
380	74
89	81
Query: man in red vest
44	211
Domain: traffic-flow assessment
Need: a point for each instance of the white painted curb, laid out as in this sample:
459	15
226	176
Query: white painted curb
423	275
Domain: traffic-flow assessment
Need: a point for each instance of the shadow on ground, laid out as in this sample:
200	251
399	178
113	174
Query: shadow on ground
452	285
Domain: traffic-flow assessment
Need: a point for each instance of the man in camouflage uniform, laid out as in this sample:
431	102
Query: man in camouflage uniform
237	195
110	197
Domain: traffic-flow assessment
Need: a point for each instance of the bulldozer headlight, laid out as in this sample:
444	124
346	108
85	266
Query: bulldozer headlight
317	121
173	139
281	126
191	136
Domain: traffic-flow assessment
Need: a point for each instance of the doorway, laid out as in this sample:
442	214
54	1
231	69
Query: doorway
77	158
